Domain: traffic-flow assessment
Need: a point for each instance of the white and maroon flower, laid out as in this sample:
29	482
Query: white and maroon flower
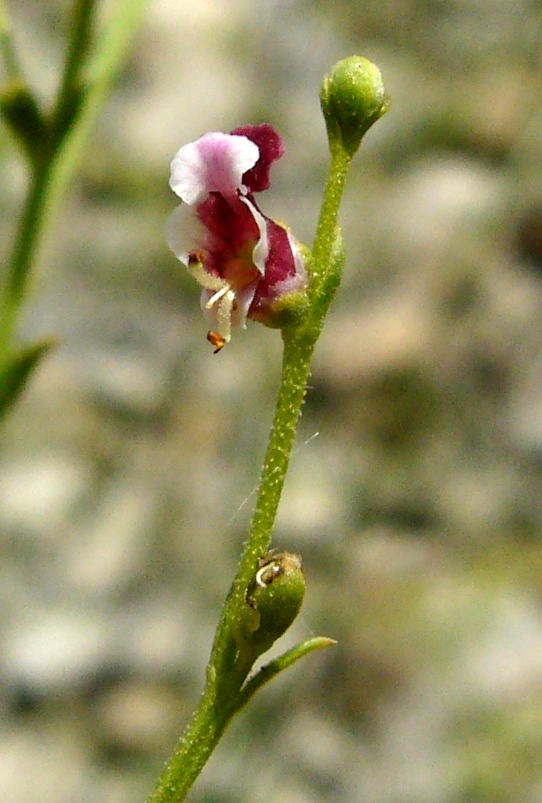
245	261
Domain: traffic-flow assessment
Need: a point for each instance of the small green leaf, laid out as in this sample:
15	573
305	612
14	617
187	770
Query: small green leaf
277	665
16	373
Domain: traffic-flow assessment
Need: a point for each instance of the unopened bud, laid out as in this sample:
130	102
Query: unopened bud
352	99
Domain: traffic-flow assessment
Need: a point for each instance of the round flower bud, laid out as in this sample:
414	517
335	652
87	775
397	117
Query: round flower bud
352	98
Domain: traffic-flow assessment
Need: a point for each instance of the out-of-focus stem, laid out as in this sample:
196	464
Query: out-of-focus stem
7	47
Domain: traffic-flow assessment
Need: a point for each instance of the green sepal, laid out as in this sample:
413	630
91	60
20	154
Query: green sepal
352	99
16	372
288	310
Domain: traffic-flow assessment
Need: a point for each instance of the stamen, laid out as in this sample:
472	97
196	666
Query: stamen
217	295
196	257
223	314
197	269
216	339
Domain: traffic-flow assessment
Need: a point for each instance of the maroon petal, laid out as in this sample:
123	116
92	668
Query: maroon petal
281	270
271	148
228	225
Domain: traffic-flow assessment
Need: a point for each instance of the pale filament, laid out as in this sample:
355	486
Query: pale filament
223	314
223	298
206	279
217	296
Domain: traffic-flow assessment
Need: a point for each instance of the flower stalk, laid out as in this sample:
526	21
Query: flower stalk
247	626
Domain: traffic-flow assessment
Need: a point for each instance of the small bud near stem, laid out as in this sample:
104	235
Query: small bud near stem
275	596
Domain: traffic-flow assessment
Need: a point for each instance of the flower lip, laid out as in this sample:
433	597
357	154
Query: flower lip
215	162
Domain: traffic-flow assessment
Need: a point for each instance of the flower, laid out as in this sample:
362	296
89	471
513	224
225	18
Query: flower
247	264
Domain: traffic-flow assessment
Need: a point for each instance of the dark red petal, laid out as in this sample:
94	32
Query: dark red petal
229	225
279	266
271	148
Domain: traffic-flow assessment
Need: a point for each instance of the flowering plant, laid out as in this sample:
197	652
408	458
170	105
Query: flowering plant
252	267
249	267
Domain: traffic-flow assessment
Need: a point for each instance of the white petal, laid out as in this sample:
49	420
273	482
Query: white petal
215	162
184	232
243	300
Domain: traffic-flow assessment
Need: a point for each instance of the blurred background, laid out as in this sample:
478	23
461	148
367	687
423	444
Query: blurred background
128	470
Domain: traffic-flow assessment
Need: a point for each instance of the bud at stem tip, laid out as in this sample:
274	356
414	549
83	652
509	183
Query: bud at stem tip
352	98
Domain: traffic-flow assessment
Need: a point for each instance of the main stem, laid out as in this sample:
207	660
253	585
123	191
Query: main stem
198	741
298	349
221	698
327	225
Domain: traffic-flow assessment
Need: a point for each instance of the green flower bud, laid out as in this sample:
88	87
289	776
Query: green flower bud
352	99
273	598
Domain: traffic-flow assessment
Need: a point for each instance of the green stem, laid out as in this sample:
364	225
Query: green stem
298	349
211	718
69	94
33	219
326	231
196	745
225	693
70	124
299	345
25	248
7	47
222	697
